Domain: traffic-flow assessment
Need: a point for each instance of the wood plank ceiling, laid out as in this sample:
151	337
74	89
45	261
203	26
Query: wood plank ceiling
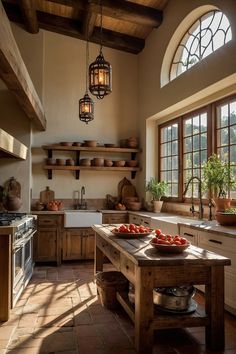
126	23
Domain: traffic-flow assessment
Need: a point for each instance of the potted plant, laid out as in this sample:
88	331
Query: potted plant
158	190
218	179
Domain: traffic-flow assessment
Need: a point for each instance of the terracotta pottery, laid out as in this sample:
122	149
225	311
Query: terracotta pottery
12	203
157	204
222	203
225	219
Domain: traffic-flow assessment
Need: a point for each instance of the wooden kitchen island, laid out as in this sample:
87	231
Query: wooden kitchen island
143	266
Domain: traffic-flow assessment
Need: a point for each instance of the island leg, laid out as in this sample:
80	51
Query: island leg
98	254
215	332
144	310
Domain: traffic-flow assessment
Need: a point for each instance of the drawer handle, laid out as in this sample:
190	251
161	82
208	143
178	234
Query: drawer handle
46	220
215	241
127	267
187	234
146	223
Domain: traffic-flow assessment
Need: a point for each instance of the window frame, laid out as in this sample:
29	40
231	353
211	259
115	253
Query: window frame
211	110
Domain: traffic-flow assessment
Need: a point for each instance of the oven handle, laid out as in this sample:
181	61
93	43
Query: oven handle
24	241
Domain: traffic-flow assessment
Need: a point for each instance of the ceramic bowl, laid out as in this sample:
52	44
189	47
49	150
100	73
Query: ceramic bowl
85	162
108	163
119	163
225	219
98	161
90	143
132	163
134	206
61	162
66	143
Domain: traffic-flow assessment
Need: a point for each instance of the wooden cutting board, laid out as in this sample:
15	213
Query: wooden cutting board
121	184
47	195
128	190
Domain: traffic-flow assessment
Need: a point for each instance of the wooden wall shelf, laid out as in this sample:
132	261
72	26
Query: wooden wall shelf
78	168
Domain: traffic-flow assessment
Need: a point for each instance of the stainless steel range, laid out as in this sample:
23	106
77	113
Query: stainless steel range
22	227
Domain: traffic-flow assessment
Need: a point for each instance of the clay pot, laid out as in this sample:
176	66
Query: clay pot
108	163
157	205
12	203
120	163
132	163
222	203
98	161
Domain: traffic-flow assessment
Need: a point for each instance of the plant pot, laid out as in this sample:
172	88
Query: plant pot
222	203
157	204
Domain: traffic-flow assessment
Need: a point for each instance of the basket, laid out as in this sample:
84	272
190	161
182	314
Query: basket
108	283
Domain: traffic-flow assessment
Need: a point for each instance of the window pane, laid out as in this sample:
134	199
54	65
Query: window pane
188	144
223	116
188	161
203	122
163	150
196	125
175	190
169	134
175	176
174	147
188	127
203	157
203	141
233	113
174	131
163	135
164	176
224	136
164	164
224	155
233	134
175	162
196	142
196	160
233	154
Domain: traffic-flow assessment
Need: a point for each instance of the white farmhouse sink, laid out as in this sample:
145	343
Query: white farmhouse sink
82	218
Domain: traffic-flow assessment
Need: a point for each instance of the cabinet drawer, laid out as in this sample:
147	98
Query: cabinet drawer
190	234
53	220
114	218
139	220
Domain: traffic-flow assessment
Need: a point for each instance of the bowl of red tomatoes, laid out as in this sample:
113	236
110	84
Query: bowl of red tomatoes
131	231
168	243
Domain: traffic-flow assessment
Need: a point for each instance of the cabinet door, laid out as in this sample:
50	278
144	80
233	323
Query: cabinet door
88	244
45	245
72	244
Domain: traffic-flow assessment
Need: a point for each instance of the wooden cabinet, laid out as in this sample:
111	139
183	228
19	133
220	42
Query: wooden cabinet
47	241
115	218
78	243
225	246
99	149
139	219
190	234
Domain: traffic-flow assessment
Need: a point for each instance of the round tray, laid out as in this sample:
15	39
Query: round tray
129	235
170	248
192	307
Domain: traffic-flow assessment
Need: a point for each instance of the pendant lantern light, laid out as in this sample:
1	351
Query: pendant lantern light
86	105
100	72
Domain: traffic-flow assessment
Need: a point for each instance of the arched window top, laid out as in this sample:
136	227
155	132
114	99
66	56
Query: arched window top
210	32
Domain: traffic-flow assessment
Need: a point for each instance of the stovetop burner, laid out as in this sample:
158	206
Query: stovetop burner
7	218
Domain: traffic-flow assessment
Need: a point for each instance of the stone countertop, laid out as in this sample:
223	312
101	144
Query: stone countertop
202	225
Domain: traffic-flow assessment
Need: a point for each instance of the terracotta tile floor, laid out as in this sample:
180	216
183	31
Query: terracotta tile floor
59	312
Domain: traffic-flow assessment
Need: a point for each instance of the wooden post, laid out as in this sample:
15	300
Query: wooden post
215	335
98	254
144	310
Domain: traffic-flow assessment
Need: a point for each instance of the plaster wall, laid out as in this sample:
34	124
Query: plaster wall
12	117
212	78
115	115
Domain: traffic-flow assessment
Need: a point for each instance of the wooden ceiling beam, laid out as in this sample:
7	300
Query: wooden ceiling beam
29	14
15	75
119	9
73	28
89	21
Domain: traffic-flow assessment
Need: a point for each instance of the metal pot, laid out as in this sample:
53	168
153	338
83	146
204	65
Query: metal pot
177	299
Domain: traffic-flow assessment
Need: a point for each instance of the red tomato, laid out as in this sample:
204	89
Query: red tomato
154	240
178	243
158	232
183	241
132	227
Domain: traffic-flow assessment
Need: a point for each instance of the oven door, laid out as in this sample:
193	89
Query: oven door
22	265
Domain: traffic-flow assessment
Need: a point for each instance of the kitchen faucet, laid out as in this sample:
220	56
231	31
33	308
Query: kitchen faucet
83	204
200	212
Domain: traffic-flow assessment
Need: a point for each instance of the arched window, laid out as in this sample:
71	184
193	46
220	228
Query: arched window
210	32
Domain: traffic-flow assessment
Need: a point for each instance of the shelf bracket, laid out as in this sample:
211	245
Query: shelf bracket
133	155
49	174
77	173
133	174
49	153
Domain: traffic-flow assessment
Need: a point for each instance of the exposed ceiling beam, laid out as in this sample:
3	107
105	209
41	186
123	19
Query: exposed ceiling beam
29	14
128	11
89	21
119	9
73	28
15	75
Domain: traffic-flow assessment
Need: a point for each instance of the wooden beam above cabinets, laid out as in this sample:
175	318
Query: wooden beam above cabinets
29	14
15	75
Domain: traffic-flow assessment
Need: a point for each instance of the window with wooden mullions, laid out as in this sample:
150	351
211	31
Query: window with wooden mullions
187	142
